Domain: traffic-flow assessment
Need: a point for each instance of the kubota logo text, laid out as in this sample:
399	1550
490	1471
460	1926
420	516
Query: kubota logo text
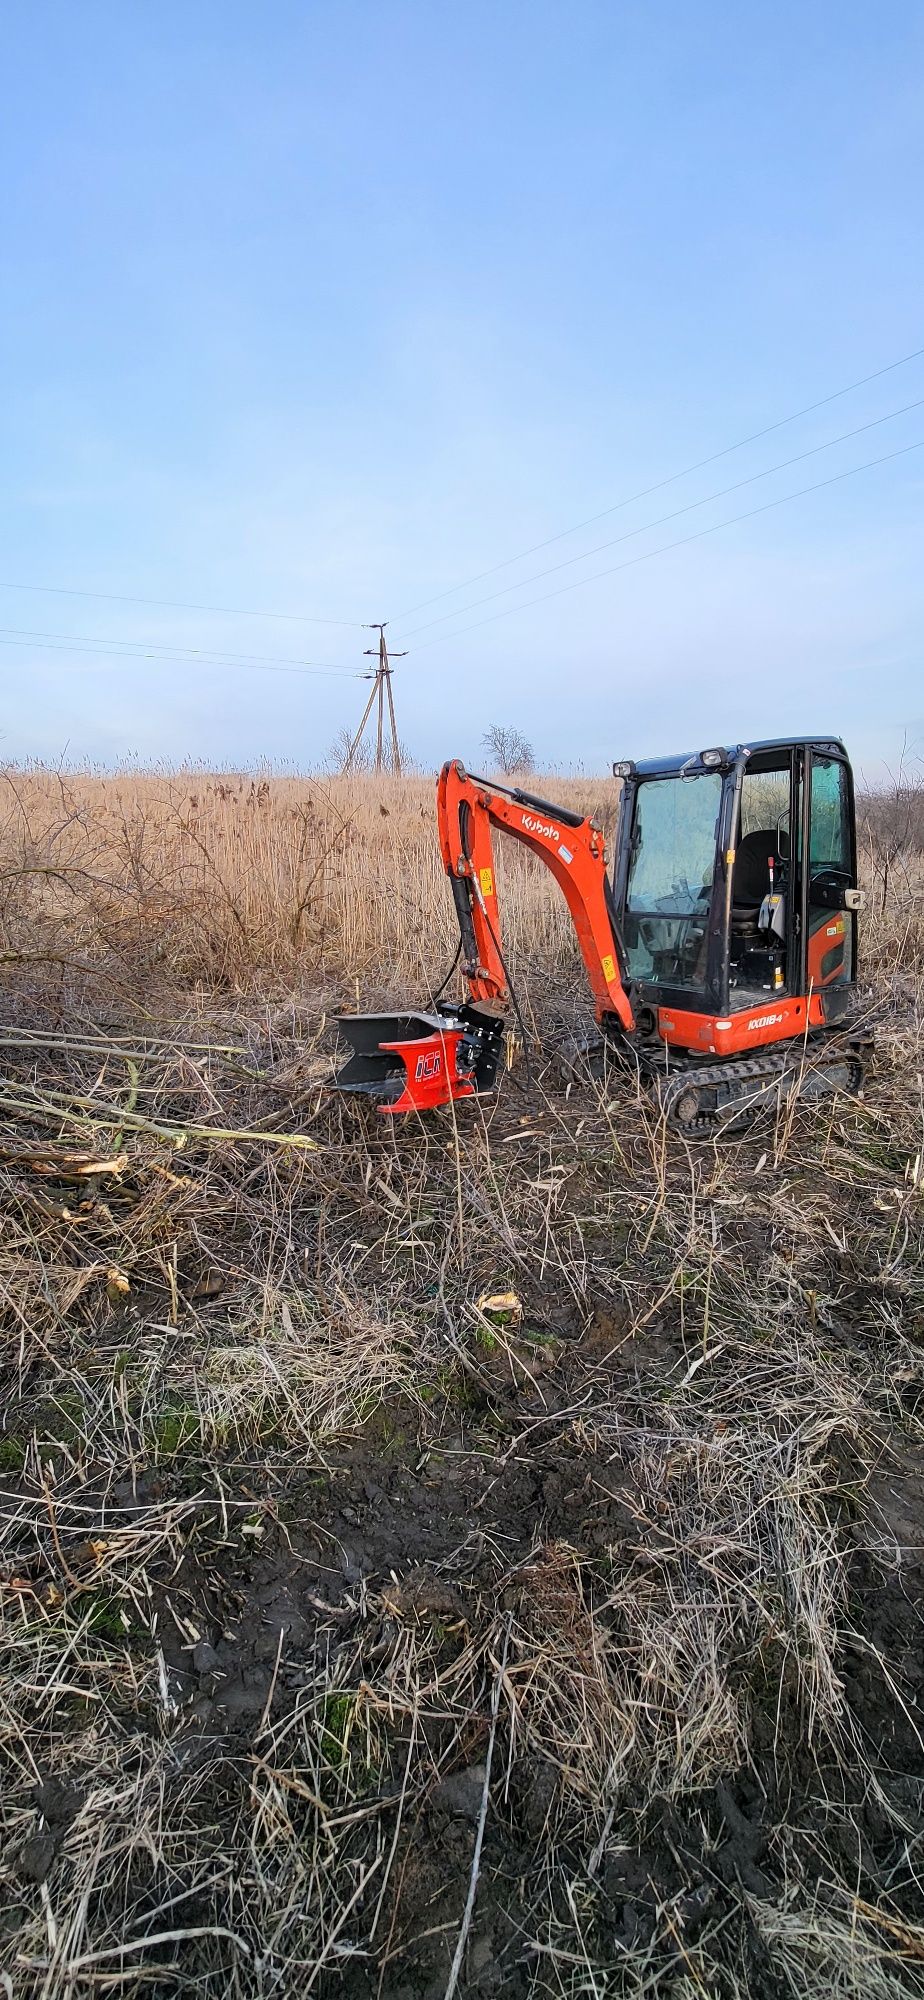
764	1021
539	826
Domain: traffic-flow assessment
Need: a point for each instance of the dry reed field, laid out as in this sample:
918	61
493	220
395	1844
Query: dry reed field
240	883
475	1555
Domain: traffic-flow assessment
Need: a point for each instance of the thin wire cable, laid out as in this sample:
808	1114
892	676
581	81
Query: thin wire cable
179	604
659	521
164	660
444	982
152	647
645	491
680	543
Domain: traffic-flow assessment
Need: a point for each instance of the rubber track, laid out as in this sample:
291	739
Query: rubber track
726	1118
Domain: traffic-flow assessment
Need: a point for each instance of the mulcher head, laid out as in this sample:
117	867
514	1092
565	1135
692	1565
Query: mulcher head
416	1062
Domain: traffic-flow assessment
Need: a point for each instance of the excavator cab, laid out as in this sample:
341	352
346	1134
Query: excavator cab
735	888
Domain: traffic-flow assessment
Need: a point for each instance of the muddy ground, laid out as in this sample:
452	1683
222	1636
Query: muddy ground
610	1597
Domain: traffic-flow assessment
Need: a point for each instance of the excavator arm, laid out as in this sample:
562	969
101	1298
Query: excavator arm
571	847
419	1061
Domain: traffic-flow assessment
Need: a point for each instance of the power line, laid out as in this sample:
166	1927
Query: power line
150	648
167	659
660	520
646	491
178	604
680	543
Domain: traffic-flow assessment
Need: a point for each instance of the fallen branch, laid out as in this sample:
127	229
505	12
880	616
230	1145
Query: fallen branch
112	1118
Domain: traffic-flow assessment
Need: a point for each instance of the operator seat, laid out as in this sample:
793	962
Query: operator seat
751	879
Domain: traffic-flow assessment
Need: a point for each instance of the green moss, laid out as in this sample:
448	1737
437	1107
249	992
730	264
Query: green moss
337	1721
538	1336
97	1613
349	1746
12	1454
106	1619
177	1428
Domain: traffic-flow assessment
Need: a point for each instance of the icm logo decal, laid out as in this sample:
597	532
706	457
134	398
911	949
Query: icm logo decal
539	826
428	1067
764	1021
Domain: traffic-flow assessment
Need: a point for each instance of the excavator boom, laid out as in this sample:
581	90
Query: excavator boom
571	847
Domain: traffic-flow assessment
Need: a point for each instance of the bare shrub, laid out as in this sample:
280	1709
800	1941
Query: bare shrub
891	825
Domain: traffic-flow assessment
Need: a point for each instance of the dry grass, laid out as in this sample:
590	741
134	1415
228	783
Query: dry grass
669	1524
232	880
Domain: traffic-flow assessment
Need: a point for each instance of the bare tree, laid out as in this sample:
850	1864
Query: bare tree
362	762
339	754
509	750
891	819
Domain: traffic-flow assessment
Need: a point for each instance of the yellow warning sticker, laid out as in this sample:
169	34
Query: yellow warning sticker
487	881
609	969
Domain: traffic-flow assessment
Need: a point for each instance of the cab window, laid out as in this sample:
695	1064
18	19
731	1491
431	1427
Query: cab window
673	844
670	879
829	822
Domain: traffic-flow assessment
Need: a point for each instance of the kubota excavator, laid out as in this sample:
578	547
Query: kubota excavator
721	952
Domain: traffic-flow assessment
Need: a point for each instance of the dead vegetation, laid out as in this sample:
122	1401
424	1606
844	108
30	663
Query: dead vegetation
151	879
348	1615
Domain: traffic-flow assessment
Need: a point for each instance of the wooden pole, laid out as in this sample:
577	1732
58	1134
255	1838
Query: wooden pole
354	746
395	747
380	684
381	687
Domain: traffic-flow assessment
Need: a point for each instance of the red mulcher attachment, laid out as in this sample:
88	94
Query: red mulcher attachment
417	1062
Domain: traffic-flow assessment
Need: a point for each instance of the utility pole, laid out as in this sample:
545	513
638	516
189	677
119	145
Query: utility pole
380	692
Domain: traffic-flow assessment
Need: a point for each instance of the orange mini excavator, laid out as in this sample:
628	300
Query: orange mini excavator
721	951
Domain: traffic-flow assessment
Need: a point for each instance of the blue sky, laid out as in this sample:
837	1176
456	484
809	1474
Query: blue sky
323	309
